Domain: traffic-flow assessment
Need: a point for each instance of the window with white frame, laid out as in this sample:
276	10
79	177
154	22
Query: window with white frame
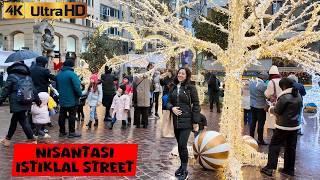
71	44
18	41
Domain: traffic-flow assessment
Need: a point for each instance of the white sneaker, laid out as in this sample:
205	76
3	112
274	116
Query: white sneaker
35	137
46	135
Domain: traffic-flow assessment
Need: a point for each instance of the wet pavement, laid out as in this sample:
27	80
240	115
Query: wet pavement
154	161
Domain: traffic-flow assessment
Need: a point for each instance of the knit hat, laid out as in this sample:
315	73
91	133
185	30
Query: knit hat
274	70
293	77
123	87
69	63
94	78
42	60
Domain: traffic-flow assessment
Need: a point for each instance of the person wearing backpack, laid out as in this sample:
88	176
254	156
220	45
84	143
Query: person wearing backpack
214	92
68	86
272	92
21	92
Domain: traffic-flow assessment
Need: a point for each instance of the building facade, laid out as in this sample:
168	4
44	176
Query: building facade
70	35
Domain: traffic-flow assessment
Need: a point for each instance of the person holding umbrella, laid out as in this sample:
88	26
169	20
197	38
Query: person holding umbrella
21	92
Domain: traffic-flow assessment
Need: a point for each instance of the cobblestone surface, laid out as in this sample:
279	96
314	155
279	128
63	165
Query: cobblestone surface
154	161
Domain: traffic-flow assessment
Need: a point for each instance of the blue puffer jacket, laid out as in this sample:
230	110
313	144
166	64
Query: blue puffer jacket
68	86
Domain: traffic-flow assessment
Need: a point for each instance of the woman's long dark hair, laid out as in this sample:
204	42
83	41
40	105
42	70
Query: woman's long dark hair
286	83
188	78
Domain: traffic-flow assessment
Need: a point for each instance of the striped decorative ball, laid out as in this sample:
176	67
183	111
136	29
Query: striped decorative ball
211	150
251	142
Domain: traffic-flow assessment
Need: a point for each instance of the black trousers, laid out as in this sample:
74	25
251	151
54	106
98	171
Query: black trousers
214	99
107	102
141	116
22	119
151	106
156	100
289	140
80	112
182	136
38	130
258	116
69	112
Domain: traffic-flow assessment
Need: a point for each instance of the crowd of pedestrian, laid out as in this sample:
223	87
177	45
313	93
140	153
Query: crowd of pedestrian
35	94
275	102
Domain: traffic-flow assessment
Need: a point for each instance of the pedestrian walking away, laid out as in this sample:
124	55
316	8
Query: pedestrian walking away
258	102
21	92
68	86
109	90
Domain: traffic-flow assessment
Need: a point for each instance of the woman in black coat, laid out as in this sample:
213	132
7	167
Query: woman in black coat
287	110
184	103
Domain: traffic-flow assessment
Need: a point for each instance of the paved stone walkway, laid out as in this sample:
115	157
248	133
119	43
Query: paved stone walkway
154	161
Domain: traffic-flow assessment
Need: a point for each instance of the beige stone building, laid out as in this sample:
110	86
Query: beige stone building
70	34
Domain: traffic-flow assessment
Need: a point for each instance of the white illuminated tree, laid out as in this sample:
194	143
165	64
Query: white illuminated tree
251	37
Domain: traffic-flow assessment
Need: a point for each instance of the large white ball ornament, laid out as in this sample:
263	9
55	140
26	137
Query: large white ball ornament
251	142
211	150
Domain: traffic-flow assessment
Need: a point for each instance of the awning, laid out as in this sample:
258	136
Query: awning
142	60
265	65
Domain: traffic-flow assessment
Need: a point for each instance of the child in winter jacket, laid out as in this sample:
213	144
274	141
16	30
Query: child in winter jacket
120	106
82	103
40	114
94	100
129	92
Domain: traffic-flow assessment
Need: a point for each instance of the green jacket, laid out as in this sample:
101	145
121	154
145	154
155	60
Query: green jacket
68	86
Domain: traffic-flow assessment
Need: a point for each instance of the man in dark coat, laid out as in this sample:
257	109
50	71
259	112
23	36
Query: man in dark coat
40	75
214	92
109	90
68	86
16	72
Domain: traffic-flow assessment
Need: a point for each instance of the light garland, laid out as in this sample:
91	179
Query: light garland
163	26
